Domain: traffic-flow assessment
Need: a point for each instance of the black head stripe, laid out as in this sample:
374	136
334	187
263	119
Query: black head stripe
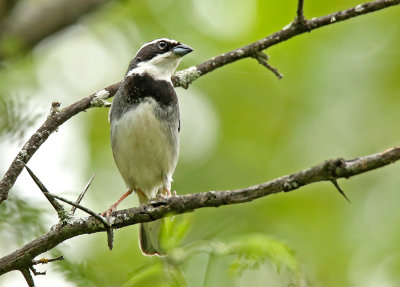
153	49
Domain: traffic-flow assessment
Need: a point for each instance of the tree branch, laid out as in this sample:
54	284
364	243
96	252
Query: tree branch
80	197
182	78
6	6
62	215
300	14
45	261
263	58
53	121
329	170
33	23
87	210
28	277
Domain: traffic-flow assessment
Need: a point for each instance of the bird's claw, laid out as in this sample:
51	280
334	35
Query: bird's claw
108	212
165	193
161	196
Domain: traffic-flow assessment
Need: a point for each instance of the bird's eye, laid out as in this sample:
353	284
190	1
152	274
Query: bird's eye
162	45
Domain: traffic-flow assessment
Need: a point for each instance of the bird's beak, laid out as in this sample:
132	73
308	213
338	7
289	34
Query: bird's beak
181	50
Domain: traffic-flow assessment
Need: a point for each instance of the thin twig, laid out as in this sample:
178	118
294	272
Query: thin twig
87	210
335	183
51	197
263	58
80	197
45	261
110	238
58	207
28	277
325	171
181	78
36	273
110	232
300	14
42	261
51	124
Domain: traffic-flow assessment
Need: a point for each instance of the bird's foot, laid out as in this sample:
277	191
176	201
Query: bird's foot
161	196
108	212
166	192
113	207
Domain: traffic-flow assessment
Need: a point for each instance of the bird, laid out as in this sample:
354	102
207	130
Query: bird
145	124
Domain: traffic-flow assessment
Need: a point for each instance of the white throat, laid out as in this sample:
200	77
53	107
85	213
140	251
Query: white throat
160	67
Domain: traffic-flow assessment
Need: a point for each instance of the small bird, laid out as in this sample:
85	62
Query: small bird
145	124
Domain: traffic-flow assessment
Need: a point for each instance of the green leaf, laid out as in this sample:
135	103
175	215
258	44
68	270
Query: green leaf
253	250
156	274
20	219
174	231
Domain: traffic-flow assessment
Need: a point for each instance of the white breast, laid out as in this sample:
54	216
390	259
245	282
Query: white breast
144	152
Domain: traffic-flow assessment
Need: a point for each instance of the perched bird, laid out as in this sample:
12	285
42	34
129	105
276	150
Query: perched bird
144	119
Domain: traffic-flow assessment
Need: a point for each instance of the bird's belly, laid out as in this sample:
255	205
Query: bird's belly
144	149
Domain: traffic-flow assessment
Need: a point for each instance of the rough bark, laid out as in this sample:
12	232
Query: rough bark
330	170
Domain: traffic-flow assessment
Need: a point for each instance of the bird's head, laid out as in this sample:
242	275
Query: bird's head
158	58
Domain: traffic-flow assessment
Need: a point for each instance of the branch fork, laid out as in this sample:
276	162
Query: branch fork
330	170
300	20
263	58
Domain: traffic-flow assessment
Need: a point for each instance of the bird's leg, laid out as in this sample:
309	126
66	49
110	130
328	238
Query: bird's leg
113	207
142	197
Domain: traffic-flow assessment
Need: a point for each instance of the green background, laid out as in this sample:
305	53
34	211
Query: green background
240	126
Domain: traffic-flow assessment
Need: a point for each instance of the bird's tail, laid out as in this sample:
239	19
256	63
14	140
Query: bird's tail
149	237
150	233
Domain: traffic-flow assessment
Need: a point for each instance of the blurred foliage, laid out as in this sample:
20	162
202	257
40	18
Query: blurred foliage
20	221
240	126
254	250
77	272
173	231
14	118
247	252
